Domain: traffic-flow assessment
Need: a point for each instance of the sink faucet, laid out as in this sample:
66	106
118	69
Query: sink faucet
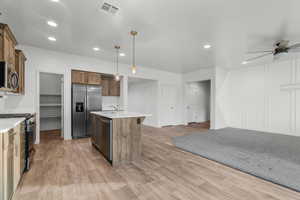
115	107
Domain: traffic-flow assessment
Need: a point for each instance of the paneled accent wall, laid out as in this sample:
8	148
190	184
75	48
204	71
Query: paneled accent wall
266	97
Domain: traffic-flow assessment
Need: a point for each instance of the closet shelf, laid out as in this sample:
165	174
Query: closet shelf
50	117
50	105
50	94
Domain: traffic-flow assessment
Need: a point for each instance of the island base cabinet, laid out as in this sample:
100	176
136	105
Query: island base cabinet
1	168
126	140
11	160
8	164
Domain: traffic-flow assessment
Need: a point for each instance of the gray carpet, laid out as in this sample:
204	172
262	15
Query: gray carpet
273	157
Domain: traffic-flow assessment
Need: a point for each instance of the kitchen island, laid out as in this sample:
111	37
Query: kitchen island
117	135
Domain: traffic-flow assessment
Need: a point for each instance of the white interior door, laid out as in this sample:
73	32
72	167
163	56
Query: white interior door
198	101
169	99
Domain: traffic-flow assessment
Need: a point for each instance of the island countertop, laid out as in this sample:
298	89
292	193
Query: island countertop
120	114
8	123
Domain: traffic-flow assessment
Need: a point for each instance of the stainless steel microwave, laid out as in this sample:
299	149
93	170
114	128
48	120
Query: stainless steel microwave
3	74
8	79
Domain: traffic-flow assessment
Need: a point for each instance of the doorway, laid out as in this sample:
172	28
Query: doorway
198	103
51	106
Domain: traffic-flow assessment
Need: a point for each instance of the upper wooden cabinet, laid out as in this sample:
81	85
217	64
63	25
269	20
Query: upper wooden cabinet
94	78
79	77
105	86
114	88
110	87
82	77
8	43
20	69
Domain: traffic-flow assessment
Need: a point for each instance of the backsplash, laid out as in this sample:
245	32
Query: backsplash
109	101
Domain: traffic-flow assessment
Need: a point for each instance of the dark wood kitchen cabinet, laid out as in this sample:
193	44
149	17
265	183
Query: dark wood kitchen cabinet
20	60
93	78
79	77
114	88
83	77
105	86
8	43
110	87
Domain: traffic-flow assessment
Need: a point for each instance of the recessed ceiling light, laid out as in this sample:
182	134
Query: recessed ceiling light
55	0
52	23
122	54
96	49
207	46
245	62
52	39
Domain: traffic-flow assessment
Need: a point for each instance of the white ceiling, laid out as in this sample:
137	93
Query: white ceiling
171	33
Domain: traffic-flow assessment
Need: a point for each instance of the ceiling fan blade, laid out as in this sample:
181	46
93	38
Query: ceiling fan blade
257	57
295	48
256	52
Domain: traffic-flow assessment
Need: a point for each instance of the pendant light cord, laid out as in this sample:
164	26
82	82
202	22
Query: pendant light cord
133	51
118	61
117	58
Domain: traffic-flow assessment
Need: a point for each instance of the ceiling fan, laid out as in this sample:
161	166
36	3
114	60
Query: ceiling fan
280	47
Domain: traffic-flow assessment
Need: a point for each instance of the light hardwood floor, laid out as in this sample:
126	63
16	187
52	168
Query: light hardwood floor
73	170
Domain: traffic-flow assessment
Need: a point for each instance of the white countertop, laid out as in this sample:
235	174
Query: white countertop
120	114
8	123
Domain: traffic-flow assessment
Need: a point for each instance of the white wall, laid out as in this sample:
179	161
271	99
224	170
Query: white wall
109	101
198	101
220	99
143	98
265	97
62	63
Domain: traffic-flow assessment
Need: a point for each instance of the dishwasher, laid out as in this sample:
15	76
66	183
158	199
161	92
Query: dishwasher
104	138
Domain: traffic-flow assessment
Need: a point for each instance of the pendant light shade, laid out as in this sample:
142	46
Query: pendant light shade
133	67
117	75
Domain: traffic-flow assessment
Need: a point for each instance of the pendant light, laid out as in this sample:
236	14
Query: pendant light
117	75
133	67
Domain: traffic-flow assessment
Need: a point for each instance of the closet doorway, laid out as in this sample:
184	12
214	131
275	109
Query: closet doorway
198	103
51	107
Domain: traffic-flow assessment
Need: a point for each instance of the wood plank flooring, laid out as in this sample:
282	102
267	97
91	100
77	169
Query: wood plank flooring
74	170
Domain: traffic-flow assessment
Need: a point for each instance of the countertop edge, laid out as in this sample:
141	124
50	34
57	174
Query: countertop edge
10	124
130	115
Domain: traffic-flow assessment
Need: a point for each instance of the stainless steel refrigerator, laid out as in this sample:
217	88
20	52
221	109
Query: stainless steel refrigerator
85	99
